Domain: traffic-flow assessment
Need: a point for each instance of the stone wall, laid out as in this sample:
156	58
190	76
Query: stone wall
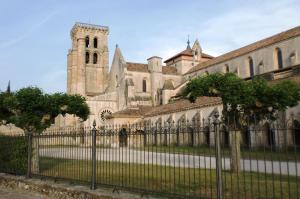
10	129
60	190
264	60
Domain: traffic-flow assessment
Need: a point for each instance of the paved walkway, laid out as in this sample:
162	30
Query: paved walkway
13	194
126	155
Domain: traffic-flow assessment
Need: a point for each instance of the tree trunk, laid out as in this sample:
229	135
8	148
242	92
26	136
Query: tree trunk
235	137
35	159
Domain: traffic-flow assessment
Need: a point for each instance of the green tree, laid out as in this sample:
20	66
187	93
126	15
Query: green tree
245	100
32	110
5	102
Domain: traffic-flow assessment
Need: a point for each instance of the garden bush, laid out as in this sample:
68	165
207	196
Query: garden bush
13	154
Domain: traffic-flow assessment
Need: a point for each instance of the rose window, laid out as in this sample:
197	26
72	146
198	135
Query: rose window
105	114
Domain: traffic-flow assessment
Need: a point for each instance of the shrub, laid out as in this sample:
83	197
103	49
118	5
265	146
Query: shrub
13	154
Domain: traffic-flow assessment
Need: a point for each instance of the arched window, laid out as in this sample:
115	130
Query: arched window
95	42
293	55
87	57
87	42
95	58
279	58
251	67
144	85
236	71
117	81
261	67
292	58
226	68
196	54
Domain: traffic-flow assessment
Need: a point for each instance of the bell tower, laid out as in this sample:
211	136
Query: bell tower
88	60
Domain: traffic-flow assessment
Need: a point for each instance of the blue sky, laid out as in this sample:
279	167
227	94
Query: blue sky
35	34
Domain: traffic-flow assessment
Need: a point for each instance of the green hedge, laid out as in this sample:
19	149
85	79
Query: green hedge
13	154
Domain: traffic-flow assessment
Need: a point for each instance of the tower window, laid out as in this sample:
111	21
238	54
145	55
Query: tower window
251	67
196	54
95	42
87	57
95	58
87	42
279	58
144	85
117	81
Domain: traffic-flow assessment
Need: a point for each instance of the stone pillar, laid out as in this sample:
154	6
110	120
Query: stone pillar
35	159
235	137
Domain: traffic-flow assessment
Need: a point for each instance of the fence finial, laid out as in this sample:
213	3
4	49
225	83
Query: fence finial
94	123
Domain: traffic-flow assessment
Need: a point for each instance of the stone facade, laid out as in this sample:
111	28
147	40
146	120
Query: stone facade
129	85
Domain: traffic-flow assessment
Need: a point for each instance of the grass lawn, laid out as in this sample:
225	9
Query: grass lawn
191	183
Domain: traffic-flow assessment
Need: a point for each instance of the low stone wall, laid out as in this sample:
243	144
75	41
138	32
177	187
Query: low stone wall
60	190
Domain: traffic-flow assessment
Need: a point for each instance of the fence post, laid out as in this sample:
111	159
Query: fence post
94	131
29	155
218	155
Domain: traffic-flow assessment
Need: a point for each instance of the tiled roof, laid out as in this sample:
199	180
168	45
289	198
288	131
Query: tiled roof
169	70
204	55
249	48
188	52
138	67
135	112
182	105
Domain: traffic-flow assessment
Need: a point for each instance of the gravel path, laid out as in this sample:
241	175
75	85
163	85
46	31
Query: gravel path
126	155
14	194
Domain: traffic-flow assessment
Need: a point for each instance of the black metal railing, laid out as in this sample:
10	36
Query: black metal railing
187	159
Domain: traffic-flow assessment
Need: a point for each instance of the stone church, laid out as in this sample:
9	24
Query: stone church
130	92
127	85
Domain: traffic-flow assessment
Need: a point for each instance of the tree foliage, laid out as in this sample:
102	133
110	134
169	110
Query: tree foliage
32	110
245	100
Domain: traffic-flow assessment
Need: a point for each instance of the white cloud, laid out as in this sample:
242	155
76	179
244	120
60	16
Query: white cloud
229	30
245	25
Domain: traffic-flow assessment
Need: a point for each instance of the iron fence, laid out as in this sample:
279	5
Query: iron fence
187	159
